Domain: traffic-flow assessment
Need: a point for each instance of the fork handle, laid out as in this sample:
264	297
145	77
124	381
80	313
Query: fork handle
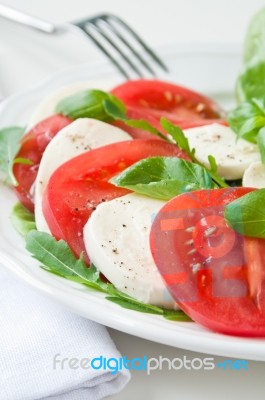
26	19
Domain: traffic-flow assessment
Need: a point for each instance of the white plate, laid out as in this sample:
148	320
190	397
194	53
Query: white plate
210	69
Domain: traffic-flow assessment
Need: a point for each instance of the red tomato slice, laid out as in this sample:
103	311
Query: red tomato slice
32	147
180	105
164	96
78	186
216	275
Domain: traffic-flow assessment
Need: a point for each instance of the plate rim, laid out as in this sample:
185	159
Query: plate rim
141	325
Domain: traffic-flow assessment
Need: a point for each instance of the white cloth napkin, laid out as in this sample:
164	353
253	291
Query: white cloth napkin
33	329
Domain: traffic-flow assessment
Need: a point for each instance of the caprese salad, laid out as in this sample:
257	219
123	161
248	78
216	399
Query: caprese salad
150	193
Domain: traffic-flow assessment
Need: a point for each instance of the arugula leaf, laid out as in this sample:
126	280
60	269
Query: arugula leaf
136	306
56	257
246	215
87	104
164	177
132	304
115	113
180	139
9	146
176	315
22	219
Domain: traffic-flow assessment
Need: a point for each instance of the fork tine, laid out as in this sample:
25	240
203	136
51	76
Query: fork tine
117	28
130	47
118	49
137	37
104	50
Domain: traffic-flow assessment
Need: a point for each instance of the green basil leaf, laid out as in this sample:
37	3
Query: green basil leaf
251	126
213	164
87	104
246	215
57	258
248	122
254	48
180	139
9	146
247	119
115	113
260	104
251	83
164	177
237	117
261	144
145	126
174	131
22	219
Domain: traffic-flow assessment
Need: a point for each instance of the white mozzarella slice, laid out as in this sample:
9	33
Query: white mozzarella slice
117	242
233	156
46	108
254	176
80	136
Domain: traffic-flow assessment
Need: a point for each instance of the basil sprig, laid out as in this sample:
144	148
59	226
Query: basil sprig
180	139
255	38
87	104
176	134
246	215
164	177
117	114
251	82
248	122
248	119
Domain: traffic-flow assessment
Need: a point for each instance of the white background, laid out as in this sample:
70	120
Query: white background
26	57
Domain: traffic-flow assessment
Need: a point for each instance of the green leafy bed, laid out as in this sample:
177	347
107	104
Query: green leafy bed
56	257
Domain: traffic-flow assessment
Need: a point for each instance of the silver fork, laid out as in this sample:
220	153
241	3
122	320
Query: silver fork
113	37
